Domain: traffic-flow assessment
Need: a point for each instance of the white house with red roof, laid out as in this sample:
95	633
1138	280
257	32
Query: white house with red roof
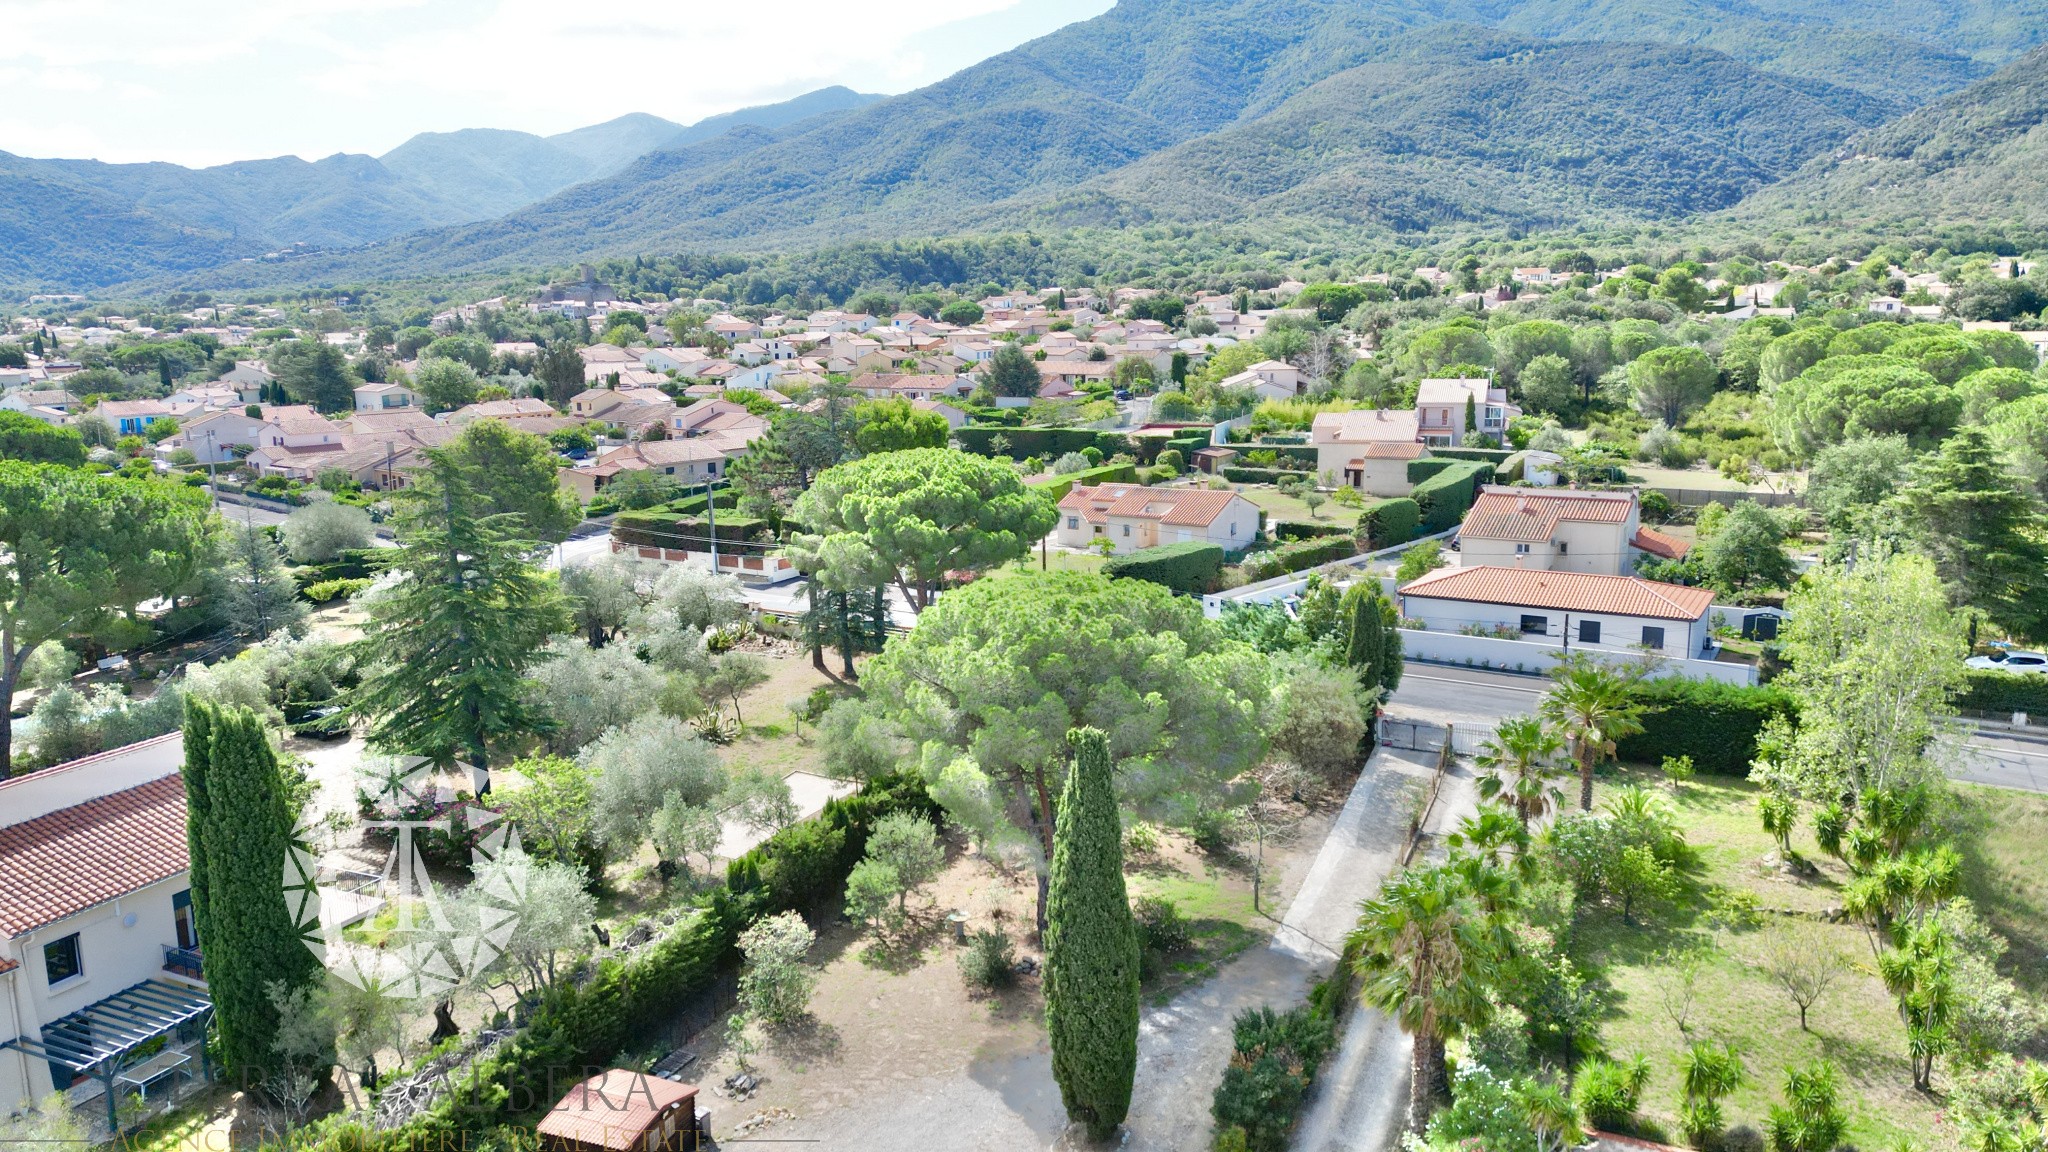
97	937
1560	530
1568	610
1441	405
1132	517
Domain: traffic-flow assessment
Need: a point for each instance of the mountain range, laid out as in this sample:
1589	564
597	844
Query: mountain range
1401	116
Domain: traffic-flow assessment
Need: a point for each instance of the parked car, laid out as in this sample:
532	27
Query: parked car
1123	393
2011	662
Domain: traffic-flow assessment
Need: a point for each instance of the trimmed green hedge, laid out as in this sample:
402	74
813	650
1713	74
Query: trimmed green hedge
1714	722
1494	455
1388	522
1262	475
1445	497
1191	567
1427	466
1301	555
576	1027
695	505
1306	530
1057	488
1990	690
674	530
1045	443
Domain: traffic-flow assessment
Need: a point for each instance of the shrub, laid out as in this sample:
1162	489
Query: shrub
1238	475
1214	830
1057	487
691	533
327	590
1608	1092
1420	561
1172	458
1303	530
1714	723
1161	927
1191	567
1275	1059
989	962
1041	442
1989	690
1299	556
1385	523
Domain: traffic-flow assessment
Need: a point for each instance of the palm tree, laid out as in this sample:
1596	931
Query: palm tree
1519	762
1551	1115
1590	708
1425	950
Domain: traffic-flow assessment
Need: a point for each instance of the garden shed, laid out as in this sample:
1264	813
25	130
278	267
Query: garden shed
621	1111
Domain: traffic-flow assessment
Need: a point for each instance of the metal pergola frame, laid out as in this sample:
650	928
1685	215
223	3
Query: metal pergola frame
98	1039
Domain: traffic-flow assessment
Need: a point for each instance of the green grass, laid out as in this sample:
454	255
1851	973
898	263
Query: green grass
1855	1024
2003	836
1702	479
1220	923
1054	560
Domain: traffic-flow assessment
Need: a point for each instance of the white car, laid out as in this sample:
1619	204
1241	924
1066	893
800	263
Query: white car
2011	662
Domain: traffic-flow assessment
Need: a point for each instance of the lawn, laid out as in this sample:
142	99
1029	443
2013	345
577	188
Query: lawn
1699	479
1855	1024
1279	505
1054	560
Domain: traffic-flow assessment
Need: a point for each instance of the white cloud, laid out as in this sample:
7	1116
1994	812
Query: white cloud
199	83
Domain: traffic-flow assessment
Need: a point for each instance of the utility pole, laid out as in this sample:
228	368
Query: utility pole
711	513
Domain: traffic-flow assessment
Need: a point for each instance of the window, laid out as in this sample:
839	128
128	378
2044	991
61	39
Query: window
1535	625
1073	522
1653	638
1521	549
1589	631
1127	530
181	916
61	961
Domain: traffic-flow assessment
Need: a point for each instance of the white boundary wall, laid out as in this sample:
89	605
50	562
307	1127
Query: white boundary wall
1524	656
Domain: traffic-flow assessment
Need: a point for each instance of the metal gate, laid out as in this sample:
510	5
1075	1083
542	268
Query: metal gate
1424	736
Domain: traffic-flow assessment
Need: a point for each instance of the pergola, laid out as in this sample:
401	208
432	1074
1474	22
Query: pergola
100	1039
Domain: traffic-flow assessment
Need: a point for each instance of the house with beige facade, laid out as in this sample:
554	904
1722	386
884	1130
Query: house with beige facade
1553	530
1573	610
1368	450
1133	517
1441	405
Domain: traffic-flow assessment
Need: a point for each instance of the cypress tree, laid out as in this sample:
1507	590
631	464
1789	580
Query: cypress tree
244	823
198	749
1091	947
1372	643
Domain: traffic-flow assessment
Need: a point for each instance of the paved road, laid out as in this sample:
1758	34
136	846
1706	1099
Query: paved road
2005	761
1360	1099
1184	1046
1463	696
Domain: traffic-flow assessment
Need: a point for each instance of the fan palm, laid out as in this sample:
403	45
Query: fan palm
1519	760
1426	951
1590	706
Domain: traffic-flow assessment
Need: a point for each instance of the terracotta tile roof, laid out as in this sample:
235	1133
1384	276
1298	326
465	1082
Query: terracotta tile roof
1521	514
7	965
75	858
1365	426
1658	544
1396	450
1193	507
614	1109
1564	592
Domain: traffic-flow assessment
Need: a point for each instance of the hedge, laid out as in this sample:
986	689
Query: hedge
1191	444
1445	497
1989	690
1303	459
1494	455
674	530
1714	722
578	1026
695	505
1191	567
1385	523
1306	530
1057	487
1427	466
1301	555
1046	443
1261	475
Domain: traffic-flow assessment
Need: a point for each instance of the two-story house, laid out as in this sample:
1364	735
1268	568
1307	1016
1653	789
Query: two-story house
1556	530
1441	407
133	417
384	397
100	961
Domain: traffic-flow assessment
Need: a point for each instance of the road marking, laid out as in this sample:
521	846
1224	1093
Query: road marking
1407	676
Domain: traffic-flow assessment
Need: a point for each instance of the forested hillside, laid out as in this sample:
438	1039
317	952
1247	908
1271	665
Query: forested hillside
1980	154
1461	126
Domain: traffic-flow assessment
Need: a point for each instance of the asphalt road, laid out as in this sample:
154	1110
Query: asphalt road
1463	696
2005	761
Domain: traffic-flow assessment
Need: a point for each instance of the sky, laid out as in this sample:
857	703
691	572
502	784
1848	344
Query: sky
203	82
